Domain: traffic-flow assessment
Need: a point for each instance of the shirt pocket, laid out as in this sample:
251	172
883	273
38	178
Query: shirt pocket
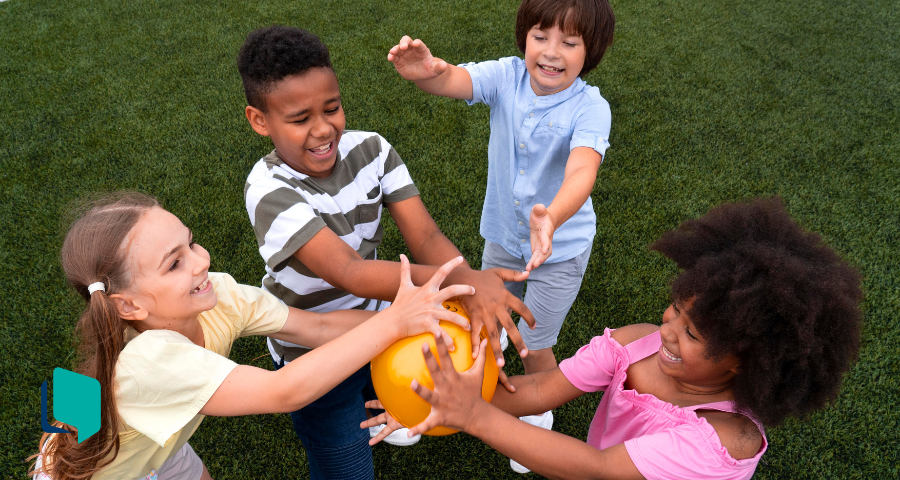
552	135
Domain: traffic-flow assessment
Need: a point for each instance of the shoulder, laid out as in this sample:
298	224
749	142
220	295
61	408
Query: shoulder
352	138
738	434
631	333
591	103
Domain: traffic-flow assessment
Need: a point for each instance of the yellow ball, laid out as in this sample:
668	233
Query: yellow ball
396	367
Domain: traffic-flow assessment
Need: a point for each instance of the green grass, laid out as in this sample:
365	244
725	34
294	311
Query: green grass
711	102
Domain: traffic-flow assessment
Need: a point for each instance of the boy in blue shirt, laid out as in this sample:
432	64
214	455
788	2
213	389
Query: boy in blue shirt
549	132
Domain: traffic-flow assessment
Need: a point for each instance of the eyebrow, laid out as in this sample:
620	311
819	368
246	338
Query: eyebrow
306	110
169	253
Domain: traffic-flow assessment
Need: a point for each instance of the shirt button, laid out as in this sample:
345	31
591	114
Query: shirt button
521	172
521	145
522	240
531	114
551	124
521	223
517	203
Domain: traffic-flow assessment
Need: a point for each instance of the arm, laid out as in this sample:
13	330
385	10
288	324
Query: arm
536	393
579	179
315	329
248	390
456	402
491	302
413	61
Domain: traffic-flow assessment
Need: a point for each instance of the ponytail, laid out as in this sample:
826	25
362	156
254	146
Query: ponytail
94	252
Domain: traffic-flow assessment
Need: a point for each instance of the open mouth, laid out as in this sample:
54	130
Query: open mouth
665	351
550	69
322	150
203	287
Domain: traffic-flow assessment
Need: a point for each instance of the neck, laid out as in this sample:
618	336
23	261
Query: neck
189	327
722	390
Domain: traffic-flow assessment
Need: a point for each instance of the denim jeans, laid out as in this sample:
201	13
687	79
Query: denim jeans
329	429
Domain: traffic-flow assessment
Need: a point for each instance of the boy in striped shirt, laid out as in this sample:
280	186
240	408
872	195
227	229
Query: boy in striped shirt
315	204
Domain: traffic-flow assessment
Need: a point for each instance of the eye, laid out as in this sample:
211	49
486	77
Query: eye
191	245
334	110
570	44
302	120
174	265
688	332
539	37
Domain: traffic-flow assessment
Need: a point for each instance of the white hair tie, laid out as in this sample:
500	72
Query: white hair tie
96	286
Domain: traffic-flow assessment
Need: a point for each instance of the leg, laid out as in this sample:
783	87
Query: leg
336	447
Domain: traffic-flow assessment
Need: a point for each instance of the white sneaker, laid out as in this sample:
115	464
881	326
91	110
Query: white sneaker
397	437
504	340
544	421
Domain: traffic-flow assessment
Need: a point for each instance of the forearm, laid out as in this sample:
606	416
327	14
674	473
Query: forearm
316	373
575	190
455	82
545	452
536	393
315	329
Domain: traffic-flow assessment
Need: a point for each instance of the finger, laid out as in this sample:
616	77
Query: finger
439	66
430	422
441	336
504	380
533	261
512	331
405	278
446	361
453	291
404	42
422	391
508	275
454	318
476	332
493	334
375	421
374	405
480	358
518	306
387	430
441	274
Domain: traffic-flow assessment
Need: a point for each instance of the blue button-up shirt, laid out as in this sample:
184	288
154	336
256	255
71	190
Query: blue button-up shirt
531	137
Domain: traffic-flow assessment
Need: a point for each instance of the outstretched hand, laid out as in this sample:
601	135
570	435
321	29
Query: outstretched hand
413	60
391	423
541	224
419	309
490	307
456	396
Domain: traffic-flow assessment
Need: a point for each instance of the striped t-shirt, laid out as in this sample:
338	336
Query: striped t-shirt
287	208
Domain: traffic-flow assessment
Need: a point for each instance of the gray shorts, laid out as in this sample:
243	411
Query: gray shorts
551	291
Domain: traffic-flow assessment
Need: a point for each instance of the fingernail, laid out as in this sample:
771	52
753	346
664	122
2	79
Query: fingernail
413	384
524	352
501	362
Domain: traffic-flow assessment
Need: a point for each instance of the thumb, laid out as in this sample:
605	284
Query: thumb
439	66
539	210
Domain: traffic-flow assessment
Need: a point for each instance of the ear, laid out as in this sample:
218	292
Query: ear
128	309
257	120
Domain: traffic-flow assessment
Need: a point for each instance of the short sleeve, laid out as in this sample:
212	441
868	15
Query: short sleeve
592	124
163	380
282	219
255	311
686	452
491	79
594	365
396	182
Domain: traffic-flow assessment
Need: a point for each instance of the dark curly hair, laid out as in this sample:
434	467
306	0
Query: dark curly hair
774	295
272	53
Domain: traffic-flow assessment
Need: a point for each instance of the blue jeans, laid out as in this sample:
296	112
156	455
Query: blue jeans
329	428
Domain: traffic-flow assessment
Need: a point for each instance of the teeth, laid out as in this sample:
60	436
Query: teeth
669	355
322	149
552	69
201	286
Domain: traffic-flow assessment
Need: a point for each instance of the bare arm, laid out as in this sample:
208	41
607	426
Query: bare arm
315	329
579	179
536	393
250	390
413	61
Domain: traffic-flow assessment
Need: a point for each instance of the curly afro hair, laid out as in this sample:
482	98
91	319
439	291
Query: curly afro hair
272	53
775	296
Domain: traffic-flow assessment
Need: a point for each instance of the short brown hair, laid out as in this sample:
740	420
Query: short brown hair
592	19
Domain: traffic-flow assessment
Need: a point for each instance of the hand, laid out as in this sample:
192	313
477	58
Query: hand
490	305
413	60
456	396
541	224
385	418
419	309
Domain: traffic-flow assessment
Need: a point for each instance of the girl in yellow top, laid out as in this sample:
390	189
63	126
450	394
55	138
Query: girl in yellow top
158	328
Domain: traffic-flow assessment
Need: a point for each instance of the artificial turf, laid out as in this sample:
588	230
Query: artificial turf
711	102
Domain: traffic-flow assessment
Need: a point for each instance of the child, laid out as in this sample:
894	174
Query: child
157	331
315	204
765	321
549	132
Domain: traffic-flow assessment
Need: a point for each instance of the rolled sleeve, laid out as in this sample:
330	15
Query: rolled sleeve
592	126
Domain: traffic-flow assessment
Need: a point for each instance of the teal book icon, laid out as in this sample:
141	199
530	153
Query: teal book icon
76	402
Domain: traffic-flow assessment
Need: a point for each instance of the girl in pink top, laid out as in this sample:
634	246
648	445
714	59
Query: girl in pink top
764	323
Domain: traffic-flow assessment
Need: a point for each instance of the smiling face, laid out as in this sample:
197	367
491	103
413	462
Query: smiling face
305	120
682	355
553	59
169	271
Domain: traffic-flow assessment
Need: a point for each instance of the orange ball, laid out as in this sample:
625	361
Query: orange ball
395	368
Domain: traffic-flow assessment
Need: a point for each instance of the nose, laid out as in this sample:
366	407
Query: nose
321	128
201	259
552	50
